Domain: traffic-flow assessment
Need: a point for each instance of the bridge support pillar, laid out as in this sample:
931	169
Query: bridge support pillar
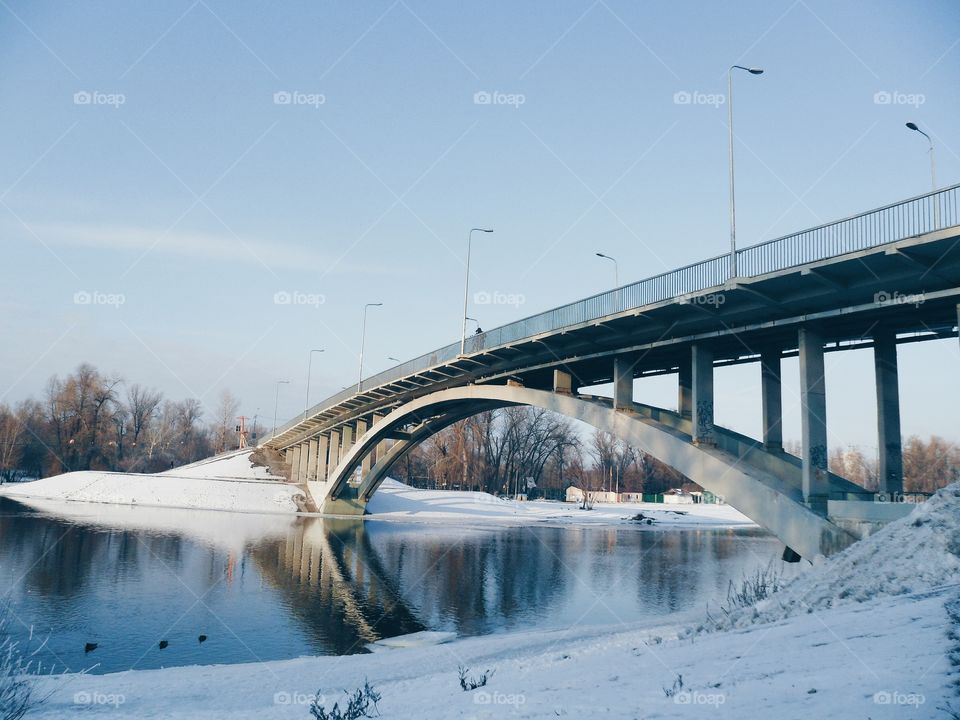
771	394
813	420
562	382
702	365
322	449
685	386
295	463
312	462
622	384
334	452
362	426
304	462
888	411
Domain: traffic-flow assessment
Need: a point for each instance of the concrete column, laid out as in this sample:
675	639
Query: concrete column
562	382
346	440
312	462
334	452
813	420
304	462
322	450
685	386
622	384
771	394
888	411
295	464
376	452
702	395
362	427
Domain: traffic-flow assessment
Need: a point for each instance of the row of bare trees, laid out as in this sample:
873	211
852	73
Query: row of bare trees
530	450
91	421
928	465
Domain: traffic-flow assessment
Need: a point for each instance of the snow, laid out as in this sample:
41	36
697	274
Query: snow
396	501
911	555
232	482
833	664
228	482
862	634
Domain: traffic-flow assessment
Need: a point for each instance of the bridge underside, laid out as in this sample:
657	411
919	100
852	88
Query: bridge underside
764	485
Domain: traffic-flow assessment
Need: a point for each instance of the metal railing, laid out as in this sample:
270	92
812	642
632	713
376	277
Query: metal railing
890	223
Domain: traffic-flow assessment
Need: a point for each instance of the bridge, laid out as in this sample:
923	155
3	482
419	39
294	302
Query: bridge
875	280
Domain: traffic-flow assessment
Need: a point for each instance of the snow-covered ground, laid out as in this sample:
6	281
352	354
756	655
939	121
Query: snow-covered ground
861	635
396	501
226	482
232	482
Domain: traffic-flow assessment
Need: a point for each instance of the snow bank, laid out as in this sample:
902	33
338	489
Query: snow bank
846	664
394	500
914	554
228	482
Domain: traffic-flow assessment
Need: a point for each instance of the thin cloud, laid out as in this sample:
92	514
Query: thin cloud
200	245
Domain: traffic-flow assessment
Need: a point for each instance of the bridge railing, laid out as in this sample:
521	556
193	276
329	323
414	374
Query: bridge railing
898	221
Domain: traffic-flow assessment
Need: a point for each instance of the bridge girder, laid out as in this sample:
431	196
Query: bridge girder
772	499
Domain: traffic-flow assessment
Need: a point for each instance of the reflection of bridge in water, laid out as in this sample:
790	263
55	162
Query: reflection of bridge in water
336	584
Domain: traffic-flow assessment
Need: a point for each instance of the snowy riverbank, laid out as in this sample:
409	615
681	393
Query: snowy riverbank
232	482
228	482
863	634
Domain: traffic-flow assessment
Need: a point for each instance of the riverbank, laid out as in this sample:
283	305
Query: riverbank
234	483
863	634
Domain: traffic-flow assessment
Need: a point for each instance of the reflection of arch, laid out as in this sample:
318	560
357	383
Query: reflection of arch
763	486
334	580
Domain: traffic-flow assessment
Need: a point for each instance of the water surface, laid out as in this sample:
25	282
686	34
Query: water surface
275	587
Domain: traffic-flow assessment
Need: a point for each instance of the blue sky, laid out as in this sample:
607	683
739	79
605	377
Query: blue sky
148	157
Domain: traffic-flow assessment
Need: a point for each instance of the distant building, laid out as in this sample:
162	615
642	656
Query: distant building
574	494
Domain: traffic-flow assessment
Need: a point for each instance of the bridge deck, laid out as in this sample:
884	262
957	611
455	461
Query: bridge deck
898	266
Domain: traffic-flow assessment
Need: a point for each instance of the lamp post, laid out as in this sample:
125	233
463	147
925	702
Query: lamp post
616	268
276	402
466	287
363	340
733	212
306	403
391	357
933	173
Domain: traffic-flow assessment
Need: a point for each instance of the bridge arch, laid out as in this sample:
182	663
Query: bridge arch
763	486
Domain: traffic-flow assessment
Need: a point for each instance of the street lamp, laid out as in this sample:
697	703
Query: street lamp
391	357
276	401
466	287
306	403
933	165
363	340
733	212
616	268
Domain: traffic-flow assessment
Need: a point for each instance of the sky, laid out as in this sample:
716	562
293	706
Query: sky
196	193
